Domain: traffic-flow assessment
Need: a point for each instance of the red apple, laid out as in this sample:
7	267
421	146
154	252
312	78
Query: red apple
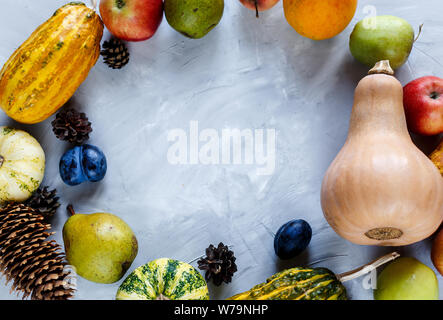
259	5
132	20
423	101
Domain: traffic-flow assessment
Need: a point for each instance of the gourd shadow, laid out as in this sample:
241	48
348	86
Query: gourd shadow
217	293
34	130
72	103
353	71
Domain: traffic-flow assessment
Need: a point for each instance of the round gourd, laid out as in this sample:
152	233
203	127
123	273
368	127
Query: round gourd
164	279
46	70
381	189
83	163
22	165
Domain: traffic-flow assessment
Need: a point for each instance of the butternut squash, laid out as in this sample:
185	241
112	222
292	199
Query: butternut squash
46	70
381	189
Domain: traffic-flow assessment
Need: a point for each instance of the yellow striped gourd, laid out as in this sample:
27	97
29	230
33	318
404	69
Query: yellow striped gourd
46	70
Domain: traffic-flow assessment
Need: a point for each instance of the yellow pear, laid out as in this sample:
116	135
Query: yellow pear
101	246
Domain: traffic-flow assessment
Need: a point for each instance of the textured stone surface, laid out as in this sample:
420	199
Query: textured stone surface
246	74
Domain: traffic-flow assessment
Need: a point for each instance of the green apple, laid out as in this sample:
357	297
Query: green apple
382	38
406	279
101	246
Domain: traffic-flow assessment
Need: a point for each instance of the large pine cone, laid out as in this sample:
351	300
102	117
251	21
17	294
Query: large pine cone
35	265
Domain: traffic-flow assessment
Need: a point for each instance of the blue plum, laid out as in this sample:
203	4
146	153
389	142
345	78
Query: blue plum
82	163
292	238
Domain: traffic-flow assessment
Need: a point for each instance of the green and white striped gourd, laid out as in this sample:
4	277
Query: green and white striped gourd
298	284
309	283
164	279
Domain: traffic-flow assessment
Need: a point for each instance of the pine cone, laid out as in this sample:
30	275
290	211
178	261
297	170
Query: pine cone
44	201
35	265
71	125
219	264
115	53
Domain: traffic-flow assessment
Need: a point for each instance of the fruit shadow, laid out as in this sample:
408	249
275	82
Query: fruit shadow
301	260
426	144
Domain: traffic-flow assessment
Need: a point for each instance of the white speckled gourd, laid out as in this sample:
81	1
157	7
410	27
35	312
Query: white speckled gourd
22	165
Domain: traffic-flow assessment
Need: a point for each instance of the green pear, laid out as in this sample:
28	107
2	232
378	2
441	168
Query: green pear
194	18
407	279
101	246
382	38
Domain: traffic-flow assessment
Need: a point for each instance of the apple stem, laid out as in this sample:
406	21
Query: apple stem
420	28
70	209
256	9
356	273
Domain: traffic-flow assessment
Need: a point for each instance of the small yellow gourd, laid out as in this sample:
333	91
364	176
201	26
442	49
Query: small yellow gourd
381	189
46	70
22	165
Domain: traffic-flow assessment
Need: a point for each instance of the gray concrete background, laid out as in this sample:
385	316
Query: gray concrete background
245	74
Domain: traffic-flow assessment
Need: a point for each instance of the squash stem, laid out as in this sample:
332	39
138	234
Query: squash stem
382	67
356	273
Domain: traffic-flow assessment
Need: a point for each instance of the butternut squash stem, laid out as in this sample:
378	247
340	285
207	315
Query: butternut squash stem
382	67
367	268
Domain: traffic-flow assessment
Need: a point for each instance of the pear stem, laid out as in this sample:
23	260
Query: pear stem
70	209
420	28
353	274
256	8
